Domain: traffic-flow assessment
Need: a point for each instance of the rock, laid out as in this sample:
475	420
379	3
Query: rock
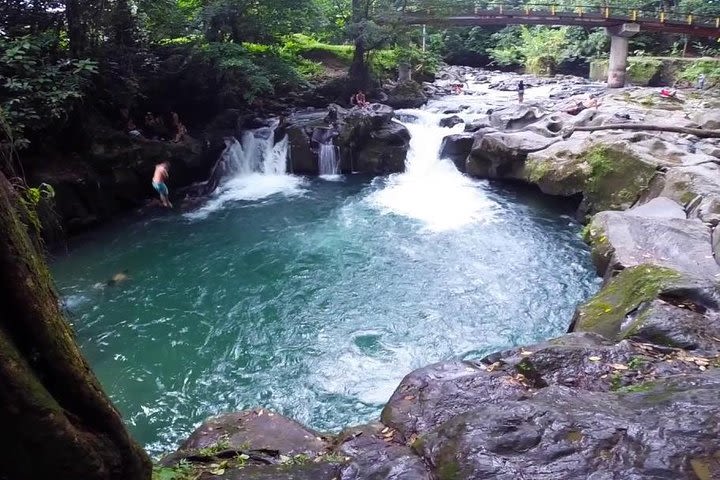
622	240
660	207
301	158
502	155
699	184
114	176
662	323
309	471
457	147
256	430
515	117
376	454
707	119
449	122
477	124
610	176
384	151
563	433
408	94
370	138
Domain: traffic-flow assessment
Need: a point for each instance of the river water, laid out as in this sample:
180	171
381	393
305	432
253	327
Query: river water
315	297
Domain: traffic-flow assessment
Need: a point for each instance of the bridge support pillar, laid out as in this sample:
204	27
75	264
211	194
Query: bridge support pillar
619	40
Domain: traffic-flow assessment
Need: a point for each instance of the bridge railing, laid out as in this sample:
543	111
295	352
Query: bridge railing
442	9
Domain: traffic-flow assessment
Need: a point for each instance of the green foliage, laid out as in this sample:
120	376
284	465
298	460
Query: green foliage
538	49
37	89
182	471
709	68
214	449
248	71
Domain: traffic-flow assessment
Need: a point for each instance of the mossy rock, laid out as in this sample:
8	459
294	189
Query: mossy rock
644	71
617	178
606	312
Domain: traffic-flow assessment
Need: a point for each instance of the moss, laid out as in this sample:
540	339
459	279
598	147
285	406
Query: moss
606	311
449	471
537	170
687	197
617	177
642	71
637	388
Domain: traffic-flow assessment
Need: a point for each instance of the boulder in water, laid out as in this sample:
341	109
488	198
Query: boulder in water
385	150
407	94
449	122
457	147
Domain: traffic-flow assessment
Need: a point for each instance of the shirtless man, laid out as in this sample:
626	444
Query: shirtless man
159	178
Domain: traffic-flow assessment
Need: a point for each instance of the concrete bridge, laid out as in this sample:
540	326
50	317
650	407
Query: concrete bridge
621	23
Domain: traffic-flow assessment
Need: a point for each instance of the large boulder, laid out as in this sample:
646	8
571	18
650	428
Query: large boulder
384	151
407	94
611	175
301	158
502	155
666	430
697	187
457	147
626	239
449	122
372	140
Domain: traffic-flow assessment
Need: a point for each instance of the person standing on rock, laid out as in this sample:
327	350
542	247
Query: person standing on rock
521	91
159	178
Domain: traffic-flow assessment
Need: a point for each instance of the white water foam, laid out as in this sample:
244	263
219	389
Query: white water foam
257	166
431	189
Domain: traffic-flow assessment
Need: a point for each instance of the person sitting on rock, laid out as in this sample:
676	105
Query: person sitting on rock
359	99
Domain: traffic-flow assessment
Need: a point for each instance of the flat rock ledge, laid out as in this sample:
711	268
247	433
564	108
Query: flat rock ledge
632	391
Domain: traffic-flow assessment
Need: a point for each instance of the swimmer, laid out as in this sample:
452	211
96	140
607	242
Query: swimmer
118	278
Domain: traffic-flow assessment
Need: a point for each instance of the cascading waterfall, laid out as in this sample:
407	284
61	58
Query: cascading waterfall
329	160
251	168
431	189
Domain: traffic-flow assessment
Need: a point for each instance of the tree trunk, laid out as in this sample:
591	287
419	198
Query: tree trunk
359	72
698	132
76	29
56	420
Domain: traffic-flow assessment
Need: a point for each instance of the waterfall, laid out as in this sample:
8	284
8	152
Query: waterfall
329	159
256	152
431	189
251	168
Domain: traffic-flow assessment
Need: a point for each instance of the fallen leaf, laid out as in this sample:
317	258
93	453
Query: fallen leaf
385	430
619	366
409	397
217	471
702	368
594	359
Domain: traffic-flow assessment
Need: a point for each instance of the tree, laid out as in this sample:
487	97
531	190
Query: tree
58	421
539	49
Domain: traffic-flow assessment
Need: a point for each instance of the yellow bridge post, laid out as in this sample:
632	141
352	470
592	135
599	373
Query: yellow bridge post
662	16
580	11
501	9
634	15
690	19
717	22
527	11
607	12
553	9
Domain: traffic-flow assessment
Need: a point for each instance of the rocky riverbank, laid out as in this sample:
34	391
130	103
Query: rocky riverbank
632	391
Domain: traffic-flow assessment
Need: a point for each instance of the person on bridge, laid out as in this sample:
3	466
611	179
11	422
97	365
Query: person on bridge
521	91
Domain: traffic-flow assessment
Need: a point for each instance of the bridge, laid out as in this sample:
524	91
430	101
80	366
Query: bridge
621	23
